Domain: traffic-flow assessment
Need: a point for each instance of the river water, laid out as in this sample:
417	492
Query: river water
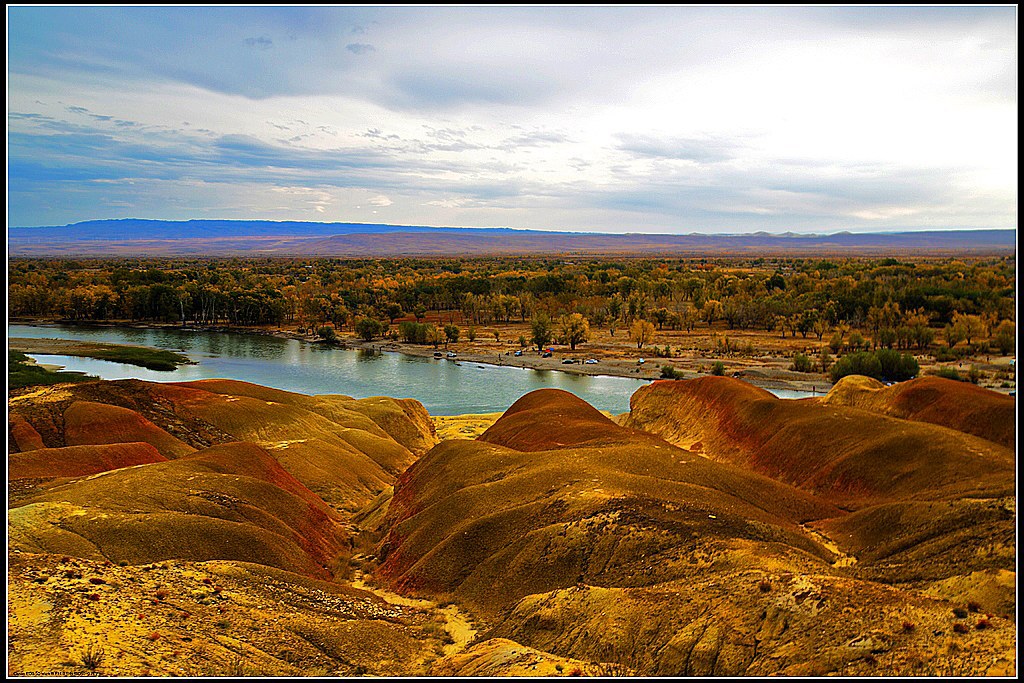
444	387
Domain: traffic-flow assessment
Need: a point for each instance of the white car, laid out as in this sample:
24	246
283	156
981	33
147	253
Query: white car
590	361
451	354
641	361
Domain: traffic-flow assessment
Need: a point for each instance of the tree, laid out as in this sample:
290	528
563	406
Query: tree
393	311
540	325
1005	337
969	326
433	336
420	311
575	330
824	359
642	332
368	328
712	311
451	335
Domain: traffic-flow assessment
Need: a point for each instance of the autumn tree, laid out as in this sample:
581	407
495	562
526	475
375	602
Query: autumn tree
642	332
575	330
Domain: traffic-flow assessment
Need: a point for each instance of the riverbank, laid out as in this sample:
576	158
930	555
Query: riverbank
142	356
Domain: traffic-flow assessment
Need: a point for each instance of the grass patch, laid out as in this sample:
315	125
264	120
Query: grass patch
154	359
21	374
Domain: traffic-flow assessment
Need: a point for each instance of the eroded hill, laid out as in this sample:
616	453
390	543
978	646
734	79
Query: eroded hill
222	528
609	544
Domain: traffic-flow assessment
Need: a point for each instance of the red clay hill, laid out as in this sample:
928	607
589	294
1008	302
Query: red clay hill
596	542
957	405
717	530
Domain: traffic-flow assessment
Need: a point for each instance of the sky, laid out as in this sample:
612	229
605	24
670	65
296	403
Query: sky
604	119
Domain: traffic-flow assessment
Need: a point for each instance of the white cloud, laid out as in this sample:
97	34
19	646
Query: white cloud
671	118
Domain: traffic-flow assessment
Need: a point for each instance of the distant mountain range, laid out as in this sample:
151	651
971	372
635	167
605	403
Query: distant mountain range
137	237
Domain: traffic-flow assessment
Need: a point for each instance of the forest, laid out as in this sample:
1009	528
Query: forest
946	307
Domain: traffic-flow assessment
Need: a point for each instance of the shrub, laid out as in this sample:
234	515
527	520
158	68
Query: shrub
327	334
883	364
896	366
764	586
973	606
161	595
801	363
92	658
960	613
908	626
948	373
669	372
368	328
718	368
959	628
982	624
974	375
860	363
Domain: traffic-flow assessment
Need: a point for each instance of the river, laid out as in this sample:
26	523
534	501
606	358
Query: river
444	387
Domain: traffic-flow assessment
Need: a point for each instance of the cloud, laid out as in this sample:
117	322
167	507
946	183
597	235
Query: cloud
707	150
259	43
565	117
380	200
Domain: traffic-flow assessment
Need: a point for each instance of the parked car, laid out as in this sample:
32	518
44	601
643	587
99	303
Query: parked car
437	354
451	354
641	361
568	361
546	354
519	352
590	361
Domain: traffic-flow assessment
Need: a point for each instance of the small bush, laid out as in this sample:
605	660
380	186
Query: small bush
669	372
764	586
948	373
959	628
973	606
154	636
908	626
92	658
94	597
162	595
327	334
718	368
802	363
97	581
982	624
974	375
960	613
883	364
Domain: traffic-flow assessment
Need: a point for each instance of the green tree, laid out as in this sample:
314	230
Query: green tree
393	311
451	335
368	328
540	326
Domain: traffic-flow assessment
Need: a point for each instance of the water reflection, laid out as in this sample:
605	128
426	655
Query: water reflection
443	386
